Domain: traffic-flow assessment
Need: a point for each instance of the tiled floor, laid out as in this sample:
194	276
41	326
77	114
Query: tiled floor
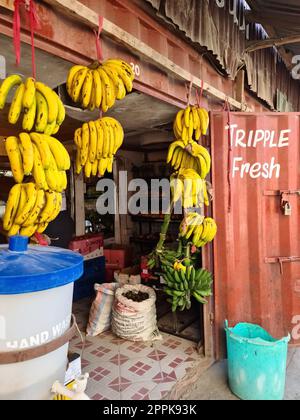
123	370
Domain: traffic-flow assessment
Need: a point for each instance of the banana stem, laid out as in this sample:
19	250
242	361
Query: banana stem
187	255
165	228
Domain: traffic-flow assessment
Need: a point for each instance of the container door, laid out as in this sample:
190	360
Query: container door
256	181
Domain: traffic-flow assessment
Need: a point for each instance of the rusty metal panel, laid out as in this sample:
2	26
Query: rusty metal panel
257	249
221	28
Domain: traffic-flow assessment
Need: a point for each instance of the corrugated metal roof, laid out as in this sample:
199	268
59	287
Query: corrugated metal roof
283	16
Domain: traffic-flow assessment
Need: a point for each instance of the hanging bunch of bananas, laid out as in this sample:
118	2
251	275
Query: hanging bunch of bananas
184	282
191	123
41	156
188	186
97	143
189	156
40	107
198	229
100	85
30	209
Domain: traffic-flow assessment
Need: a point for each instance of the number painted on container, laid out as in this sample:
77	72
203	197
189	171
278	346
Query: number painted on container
136	69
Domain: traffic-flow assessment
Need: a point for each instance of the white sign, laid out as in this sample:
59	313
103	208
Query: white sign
252	139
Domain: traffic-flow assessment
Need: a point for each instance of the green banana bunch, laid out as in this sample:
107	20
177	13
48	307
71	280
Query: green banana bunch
184	283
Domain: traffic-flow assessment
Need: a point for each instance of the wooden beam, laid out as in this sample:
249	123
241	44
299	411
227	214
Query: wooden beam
272	42
79	188
83	14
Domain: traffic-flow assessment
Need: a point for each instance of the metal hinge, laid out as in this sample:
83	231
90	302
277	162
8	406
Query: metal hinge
281	261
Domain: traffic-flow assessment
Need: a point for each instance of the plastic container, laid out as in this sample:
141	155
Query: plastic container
36	290
256	363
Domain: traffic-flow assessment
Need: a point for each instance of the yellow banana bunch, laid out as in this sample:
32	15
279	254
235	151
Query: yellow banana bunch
191	123
41	107
97	143
100	85
198	229
41	156
30	209
189	156
190	188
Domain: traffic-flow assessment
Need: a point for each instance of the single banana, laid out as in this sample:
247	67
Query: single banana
61	116
103	163
51	99
187	116
78	83
178	121
29	116
16	106
29	94
52	174
87	89
15	158
88	169
28	155
41	113
204	120
106	139
38	170
42	227
98	88
85	143
6	87
93	142
110	165
78	165
107	92
57	208
100	141
51	202
43	148
72	73
12	206
31	196
35	212
95	167
78	138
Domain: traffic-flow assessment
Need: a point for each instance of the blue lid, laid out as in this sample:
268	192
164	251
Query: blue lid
28	269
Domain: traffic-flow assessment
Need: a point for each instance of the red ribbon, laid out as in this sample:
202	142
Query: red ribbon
98	40
227	108
17	30
33	26
33	23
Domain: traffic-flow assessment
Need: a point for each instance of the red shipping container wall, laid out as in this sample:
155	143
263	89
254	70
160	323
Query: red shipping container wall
257	249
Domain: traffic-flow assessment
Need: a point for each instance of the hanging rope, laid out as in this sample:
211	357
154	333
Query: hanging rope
98	39
227	108
199	94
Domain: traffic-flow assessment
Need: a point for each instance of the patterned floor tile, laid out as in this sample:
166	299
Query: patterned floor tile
133	350
140	369
138	391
